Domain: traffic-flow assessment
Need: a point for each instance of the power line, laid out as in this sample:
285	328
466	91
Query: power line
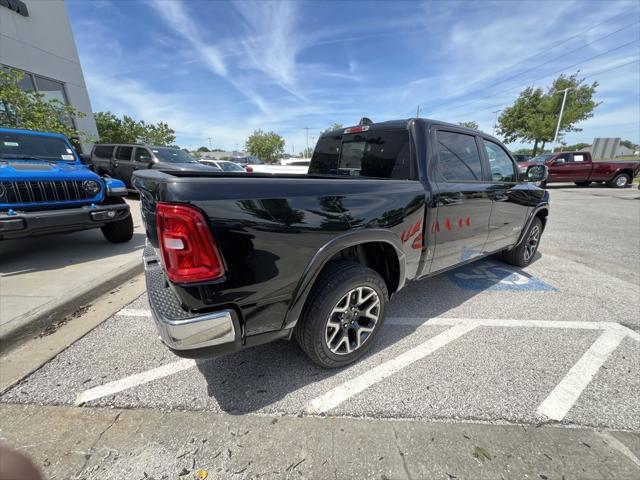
546	62
544	76
562	42
589	75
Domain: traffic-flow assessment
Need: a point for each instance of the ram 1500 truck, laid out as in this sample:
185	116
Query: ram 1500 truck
578	167
235	260
45	189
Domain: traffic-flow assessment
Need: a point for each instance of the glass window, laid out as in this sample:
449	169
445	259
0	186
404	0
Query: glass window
124	153
22	146
50	89
564	158
376	154
103	151
500	164
172	155
142	155
458	158
230	167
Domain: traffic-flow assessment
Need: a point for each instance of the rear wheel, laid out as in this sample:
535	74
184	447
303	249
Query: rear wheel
343	316
583	184
522	255
621	180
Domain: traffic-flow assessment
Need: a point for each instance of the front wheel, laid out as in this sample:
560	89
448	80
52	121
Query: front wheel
120	231
344	314
521	255
621	180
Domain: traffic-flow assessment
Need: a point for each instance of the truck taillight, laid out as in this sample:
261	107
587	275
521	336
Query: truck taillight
188	248
358	129
248	169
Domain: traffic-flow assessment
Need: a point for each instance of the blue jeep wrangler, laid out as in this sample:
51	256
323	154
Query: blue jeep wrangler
45	188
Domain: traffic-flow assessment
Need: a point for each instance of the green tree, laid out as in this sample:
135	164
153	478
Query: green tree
470	124
307	152
30	110
203	149
534	114
159	134
268	147
112	129
572	148
629	144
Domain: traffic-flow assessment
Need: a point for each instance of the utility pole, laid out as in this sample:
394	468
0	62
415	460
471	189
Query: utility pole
495	121
564	100
210	144
307	130
418	112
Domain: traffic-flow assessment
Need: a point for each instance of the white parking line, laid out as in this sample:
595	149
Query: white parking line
565	394
134	312
133	381
336	396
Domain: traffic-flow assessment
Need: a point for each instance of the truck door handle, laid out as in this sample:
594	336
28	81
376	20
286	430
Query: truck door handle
450	201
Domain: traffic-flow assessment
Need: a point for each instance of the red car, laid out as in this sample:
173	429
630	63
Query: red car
578	167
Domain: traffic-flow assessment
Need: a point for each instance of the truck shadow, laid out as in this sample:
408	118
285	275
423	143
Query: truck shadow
22	256
261	377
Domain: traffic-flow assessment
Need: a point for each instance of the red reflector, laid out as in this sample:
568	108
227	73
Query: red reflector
248	169
189	251
358	129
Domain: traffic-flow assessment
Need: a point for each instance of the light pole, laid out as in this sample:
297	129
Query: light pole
564	100
210	144
495	121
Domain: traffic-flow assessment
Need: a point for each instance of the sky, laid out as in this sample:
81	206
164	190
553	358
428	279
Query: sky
215	71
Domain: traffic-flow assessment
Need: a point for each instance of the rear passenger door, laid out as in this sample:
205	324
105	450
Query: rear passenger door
123	164
509	206
461	196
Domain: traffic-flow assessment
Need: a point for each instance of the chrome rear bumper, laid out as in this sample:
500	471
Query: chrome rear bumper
178	328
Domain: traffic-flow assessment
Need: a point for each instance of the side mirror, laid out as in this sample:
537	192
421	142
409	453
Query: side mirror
85	158
537	173
559	160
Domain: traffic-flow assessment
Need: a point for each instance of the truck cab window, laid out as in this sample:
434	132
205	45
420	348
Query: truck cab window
500	165
376	154
458	158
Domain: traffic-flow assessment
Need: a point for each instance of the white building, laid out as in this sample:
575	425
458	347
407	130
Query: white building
36	38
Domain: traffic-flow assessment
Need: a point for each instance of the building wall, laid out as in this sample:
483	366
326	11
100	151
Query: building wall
43	43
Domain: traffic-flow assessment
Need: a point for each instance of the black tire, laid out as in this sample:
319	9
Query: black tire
521	255
120	231
337	280
622	180
582	184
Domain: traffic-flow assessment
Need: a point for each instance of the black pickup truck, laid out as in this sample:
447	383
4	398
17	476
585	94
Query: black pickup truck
235	260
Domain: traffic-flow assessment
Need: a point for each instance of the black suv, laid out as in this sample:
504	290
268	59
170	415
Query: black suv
121	160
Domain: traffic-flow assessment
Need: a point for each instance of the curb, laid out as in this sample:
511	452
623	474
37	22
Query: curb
38	319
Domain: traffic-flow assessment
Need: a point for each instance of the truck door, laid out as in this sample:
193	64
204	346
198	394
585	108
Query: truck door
123	164
509	199
569	167
461	196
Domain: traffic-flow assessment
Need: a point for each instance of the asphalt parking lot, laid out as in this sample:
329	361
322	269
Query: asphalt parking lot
555	343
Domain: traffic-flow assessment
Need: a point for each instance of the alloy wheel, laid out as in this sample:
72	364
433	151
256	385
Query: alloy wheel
352	320
532	243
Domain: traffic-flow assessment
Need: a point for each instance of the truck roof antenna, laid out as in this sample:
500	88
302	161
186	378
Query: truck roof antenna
365	121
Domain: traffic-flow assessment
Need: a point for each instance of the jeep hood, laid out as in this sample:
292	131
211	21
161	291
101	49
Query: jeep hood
42	170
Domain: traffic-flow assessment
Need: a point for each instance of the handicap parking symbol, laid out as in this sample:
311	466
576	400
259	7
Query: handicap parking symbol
486	275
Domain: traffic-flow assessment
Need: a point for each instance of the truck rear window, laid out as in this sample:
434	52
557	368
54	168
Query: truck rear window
377	154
